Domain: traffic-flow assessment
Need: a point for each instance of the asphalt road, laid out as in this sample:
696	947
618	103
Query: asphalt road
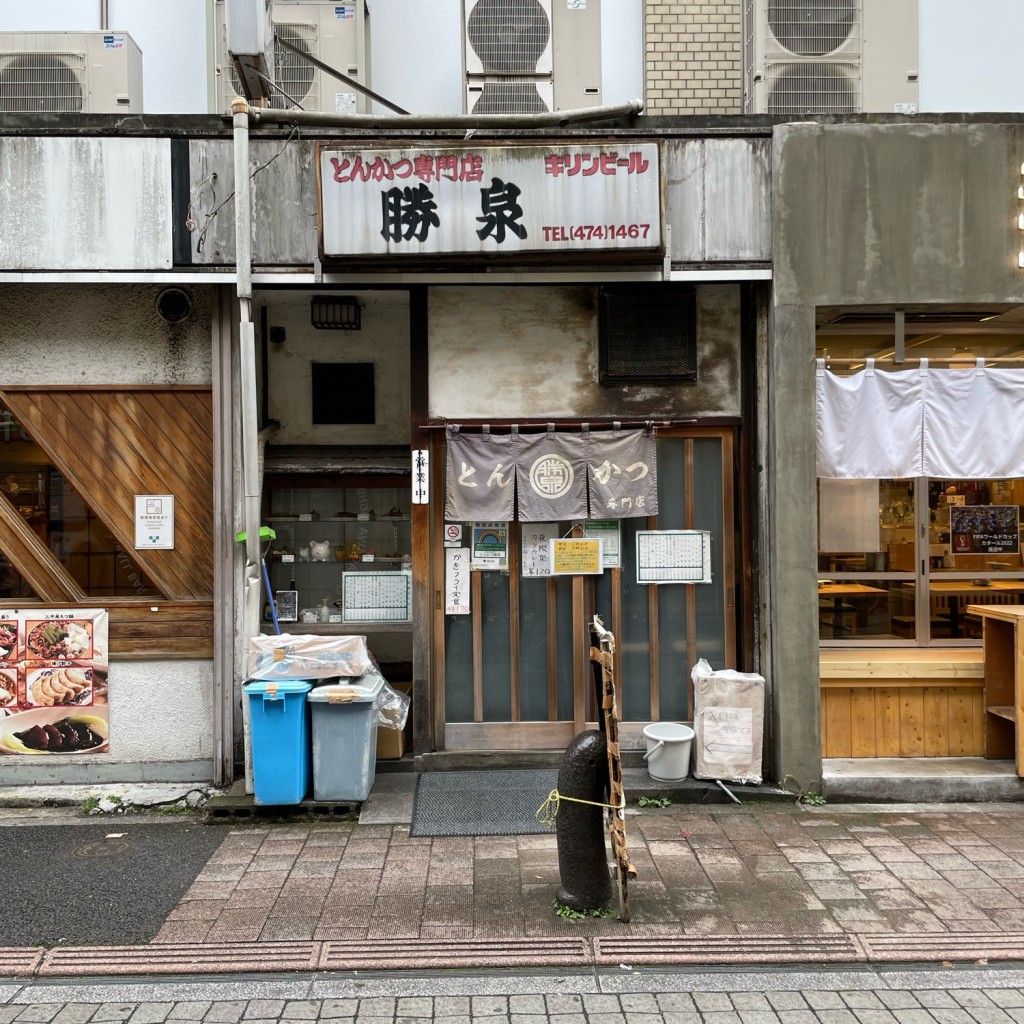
111	883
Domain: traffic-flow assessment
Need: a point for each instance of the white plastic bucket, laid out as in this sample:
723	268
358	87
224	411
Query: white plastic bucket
668	750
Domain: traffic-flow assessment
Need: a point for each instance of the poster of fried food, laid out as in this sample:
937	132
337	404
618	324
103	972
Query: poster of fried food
53	681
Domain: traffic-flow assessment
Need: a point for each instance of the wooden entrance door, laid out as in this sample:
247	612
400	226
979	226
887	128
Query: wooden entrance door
514	673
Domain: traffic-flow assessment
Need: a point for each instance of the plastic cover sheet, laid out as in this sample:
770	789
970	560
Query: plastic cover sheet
303	656
728	724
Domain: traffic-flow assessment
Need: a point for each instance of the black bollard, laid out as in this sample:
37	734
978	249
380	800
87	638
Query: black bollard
582	861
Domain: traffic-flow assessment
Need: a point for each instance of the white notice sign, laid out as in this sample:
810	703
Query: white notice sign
673	556
456	581
536	556
728	731
154	521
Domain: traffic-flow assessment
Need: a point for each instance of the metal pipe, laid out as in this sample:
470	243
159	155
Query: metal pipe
247	361
327	69
390	122
524	425
934	360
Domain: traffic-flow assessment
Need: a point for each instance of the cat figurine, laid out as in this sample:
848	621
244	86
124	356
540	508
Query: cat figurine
320	550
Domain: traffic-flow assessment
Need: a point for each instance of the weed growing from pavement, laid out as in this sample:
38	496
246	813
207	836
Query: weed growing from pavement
809	797
567	913
653	801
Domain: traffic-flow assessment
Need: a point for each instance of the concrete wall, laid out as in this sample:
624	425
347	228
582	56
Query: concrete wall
161	730
503	353
85	203
100	334
383	340
879	214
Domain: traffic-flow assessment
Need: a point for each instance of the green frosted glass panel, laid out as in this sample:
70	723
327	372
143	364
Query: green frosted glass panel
533	650
458	675
708	515
496	647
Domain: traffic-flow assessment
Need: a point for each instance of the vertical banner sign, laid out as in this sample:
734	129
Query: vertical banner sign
456	581
53	681
481	471
420	476
535	559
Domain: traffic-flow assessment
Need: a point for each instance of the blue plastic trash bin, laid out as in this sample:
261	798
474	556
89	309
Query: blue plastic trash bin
345	737
279	724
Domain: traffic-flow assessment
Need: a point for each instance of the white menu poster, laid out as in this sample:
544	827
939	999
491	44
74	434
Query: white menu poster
673	556
376	596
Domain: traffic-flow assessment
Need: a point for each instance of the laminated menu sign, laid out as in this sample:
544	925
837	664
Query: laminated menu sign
53	681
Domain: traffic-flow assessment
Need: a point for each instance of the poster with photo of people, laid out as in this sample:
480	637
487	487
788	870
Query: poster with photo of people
985	529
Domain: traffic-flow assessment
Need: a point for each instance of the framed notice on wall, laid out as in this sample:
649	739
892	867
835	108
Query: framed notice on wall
673	556
376	596
576	556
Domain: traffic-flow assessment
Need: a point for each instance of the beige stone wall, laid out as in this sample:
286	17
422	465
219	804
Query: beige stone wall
693	57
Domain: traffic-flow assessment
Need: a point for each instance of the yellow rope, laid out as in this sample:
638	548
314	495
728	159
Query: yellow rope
548	811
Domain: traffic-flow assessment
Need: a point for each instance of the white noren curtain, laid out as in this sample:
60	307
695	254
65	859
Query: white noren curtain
920	422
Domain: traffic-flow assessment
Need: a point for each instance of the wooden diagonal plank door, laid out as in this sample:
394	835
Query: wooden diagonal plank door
112	444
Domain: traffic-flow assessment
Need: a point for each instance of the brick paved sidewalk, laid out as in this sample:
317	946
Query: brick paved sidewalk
720	871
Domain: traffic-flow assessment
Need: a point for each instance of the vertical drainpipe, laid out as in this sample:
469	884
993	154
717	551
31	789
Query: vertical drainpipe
253	581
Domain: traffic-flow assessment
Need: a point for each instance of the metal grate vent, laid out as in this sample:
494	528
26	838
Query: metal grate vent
816	87
512	96
44	82
508	36
648	333
812	28
295	76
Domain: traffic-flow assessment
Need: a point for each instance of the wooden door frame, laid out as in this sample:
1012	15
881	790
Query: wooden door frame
518	735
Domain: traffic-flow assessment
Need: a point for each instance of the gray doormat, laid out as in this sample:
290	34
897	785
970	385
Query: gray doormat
499	803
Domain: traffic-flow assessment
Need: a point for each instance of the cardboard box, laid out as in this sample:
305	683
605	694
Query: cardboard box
729	726
392	743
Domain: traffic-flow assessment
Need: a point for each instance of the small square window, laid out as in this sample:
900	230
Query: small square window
648	333
344	393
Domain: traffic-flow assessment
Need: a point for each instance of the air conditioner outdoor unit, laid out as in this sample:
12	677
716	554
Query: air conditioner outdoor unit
531	56
336	33
830	56
70	72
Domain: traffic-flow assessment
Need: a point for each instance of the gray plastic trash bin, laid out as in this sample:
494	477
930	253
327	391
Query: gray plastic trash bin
345	737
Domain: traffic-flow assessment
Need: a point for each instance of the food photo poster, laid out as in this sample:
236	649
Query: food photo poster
53	681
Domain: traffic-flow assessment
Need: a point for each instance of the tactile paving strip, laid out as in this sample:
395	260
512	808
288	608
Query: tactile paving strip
932	946
18	962
729	949
427	953
168	958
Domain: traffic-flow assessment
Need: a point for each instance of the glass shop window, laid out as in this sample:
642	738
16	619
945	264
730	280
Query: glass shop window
901	561
61	518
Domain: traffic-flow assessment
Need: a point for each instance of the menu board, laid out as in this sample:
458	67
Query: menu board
673	556
376	596
53	681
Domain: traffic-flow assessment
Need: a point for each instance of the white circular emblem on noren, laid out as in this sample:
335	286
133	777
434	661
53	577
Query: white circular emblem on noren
551	476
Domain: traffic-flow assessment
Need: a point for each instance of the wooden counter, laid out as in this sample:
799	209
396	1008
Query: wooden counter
902	702
1003	642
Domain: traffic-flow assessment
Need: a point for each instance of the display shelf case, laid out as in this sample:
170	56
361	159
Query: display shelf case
324	532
